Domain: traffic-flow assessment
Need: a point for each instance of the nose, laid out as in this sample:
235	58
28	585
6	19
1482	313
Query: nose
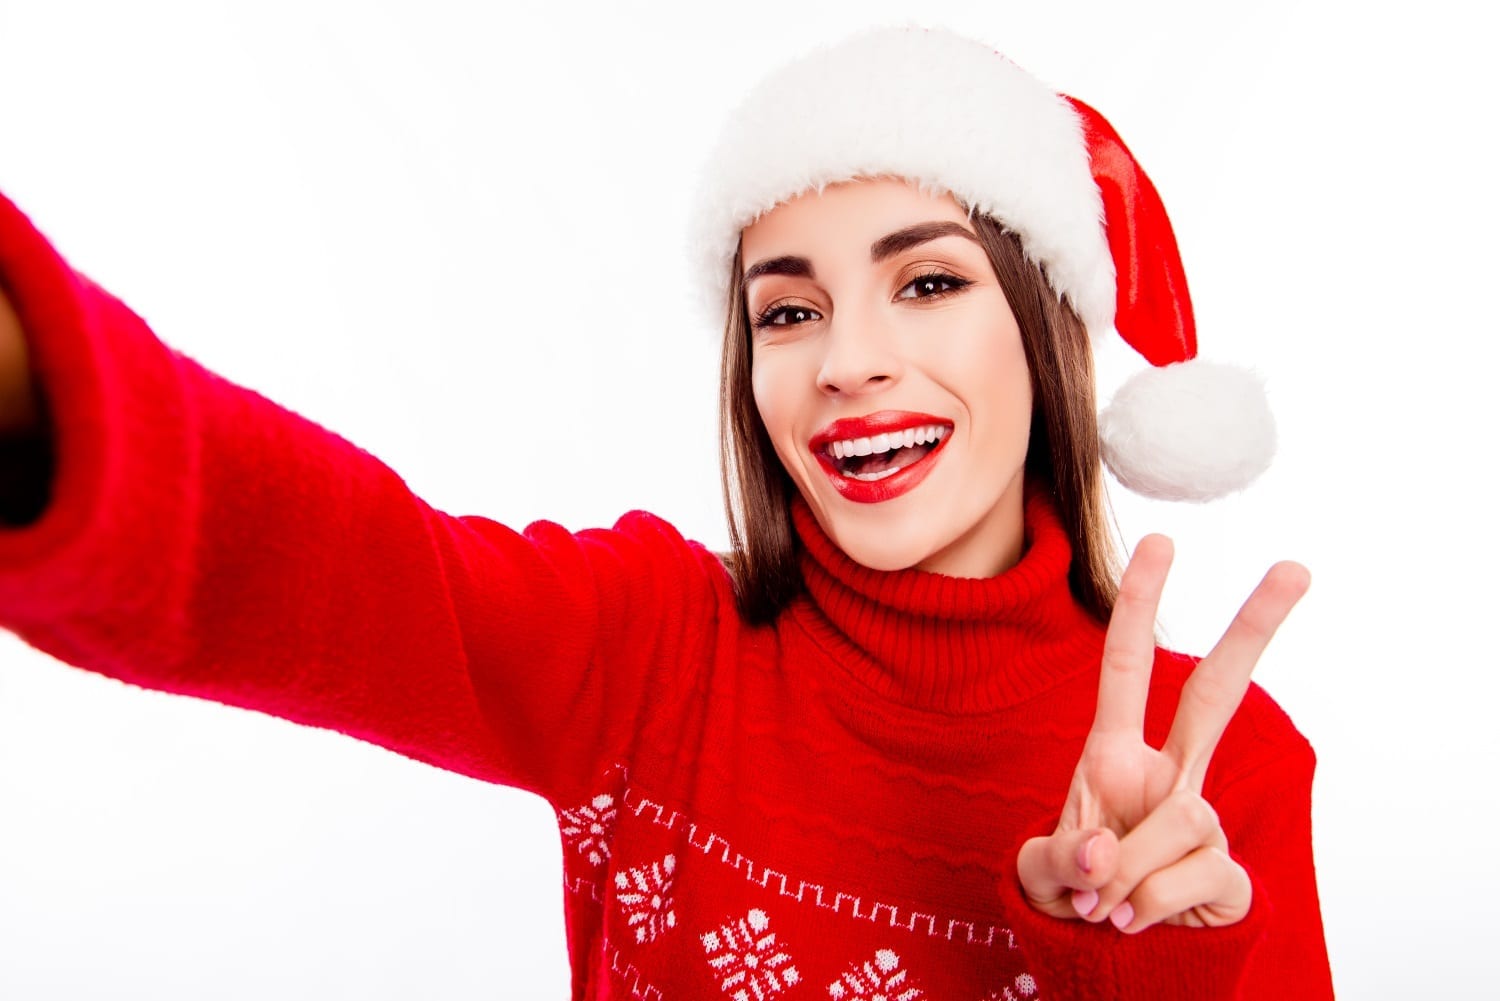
859	357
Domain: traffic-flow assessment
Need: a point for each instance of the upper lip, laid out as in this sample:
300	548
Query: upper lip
881	422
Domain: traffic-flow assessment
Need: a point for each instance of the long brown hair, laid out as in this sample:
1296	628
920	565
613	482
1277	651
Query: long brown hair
1063	450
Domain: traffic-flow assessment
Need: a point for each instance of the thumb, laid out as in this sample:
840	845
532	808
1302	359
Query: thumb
1053	869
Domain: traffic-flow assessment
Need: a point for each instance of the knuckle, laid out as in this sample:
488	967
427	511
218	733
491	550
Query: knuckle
1128	872
1195	814
1207	691
1137	593
1239	887
1055	846
1116	657
1203	817
1111	893
1149	900
1258	618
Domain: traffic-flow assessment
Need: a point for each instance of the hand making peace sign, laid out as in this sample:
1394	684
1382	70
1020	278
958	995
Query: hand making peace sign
1137	843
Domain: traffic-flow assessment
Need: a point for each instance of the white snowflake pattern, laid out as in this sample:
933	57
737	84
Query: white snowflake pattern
880	979
588	828
746	958
645	895
1023	987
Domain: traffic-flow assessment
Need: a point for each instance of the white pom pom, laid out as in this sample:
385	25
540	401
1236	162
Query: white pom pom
1194	430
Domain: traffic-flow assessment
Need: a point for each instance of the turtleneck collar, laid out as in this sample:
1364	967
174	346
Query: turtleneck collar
951	644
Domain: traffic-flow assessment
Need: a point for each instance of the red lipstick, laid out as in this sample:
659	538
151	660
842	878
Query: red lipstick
883	422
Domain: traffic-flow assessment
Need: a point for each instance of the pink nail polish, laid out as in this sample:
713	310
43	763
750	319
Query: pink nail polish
1083	854
1085	901
1121	916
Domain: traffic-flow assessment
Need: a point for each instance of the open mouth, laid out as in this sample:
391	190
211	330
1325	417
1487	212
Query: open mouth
882	455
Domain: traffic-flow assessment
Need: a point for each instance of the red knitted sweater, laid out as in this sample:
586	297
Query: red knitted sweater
825	807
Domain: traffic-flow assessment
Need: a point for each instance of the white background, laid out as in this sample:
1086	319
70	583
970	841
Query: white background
455	236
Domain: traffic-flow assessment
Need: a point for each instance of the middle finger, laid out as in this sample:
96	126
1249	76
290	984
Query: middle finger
1213	692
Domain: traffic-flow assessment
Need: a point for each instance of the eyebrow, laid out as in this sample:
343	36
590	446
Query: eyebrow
797	267
913	236
883	248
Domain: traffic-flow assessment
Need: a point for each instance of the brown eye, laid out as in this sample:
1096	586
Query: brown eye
931	286
786	316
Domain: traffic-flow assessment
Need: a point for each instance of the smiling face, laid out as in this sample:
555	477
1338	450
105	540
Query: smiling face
890	375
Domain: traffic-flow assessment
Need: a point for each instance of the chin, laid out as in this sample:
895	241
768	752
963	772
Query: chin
896	535
885	551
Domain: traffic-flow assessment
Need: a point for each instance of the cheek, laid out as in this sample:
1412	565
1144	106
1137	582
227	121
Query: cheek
772	389
762	388
1016	376
1014	380
997	383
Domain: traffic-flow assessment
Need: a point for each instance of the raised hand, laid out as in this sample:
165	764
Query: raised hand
1137	843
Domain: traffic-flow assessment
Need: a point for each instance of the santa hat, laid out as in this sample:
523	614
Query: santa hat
955	116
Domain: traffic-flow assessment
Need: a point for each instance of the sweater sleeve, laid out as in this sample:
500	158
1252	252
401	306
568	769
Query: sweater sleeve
197	538
1277	950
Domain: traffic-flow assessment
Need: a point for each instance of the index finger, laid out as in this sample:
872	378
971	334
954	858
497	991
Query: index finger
1213	692
1130	642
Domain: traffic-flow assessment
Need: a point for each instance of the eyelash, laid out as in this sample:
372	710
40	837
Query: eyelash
767	316
942	277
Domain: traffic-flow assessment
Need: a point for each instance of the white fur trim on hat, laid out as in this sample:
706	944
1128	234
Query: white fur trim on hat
975	125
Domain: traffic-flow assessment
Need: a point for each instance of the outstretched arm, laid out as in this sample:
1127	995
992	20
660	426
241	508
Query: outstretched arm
200	539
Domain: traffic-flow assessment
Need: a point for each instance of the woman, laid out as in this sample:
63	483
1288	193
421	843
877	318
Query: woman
871	760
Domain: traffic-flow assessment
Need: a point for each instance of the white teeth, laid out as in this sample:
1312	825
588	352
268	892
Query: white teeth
886	442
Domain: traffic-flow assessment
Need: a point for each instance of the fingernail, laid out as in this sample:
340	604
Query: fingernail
1085	901
1121	916
1083	854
